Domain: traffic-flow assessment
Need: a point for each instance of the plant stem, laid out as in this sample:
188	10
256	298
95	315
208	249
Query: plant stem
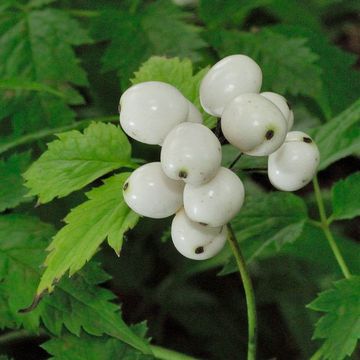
326	229
19	335
167	354
235	160
249	294
29	138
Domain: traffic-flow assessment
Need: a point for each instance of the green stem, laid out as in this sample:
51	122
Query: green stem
167	354
326	229
249	294
29	138
19	335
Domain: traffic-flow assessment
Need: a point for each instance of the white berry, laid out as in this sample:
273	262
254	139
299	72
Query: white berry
149	192
149	110
191	152
216	202
196	241
254	125
232	76
194	114
294	164
283	105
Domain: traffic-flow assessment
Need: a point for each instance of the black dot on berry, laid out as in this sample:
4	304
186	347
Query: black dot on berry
269	134
203	224
183	174
126	185
307	140
199	250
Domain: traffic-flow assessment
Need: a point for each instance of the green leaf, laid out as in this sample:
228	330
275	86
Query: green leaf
220	14
170	36
268	221
22	241
341	83
77	159
178	73
346	198
340	325
284	60
12	190
340	137
78	303
26	56
104	215
20	84
86	347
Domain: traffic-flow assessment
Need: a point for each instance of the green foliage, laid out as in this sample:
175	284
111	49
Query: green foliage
77	304
10	178
172	36
340	325
178	73
346	198
86	347
266	223
339	137
44	87
284	60
77	159
103	215
26	56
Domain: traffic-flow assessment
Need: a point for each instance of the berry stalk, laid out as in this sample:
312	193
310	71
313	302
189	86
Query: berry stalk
249	294
326	229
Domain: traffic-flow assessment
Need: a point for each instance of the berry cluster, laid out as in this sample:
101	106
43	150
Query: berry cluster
189	179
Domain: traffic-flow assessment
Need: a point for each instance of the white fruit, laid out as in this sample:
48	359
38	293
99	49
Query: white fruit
196	241
191	152
283	105
232	76
194	114
254	125
216	202
149	110
149	192
294	165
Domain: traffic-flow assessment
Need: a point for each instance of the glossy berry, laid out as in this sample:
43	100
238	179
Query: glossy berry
150	110
191	152
283	106
216	202
254	125
196	241
194	114
294	164
149	192
232	76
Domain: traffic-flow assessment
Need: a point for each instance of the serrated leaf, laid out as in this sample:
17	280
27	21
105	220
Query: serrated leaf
26	55
78	303
12	190
104	215
340	325
172	36
220	14
267	221
340	137
178	73
284	68
341	83
346	198
86	347
77	159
